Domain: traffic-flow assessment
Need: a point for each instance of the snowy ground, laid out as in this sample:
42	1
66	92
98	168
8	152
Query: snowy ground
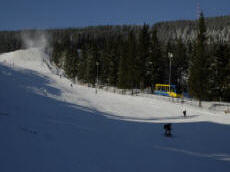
46	125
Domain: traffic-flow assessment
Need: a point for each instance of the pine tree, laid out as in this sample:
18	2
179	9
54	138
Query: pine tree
180	66
71	63
155	61
198	79
219	71
128	72
82	65
123	65
117	57
56	53
143	55
227	82
112	63
91	69
104	62
131	61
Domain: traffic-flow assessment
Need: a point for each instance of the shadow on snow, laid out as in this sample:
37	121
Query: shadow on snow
43	134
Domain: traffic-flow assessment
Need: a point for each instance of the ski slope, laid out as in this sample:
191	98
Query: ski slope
47	125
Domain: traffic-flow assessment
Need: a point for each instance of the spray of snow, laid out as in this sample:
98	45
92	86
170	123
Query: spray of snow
35	39
35	55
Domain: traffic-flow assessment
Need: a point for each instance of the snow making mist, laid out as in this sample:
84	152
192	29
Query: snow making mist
35	39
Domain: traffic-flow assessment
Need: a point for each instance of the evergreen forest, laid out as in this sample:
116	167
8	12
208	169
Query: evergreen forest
137	56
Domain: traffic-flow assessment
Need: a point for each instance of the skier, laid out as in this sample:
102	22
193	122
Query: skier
184	113
168	129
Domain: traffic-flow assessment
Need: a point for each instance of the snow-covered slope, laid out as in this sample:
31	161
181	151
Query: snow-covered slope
47	125
34	59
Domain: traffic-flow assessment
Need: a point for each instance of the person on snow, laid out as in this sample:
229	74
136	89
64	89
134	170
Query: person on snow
168	128
184	112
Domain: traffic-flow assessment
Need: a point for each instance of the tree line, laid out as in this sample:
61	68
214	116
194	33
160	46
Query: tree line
135	57
10	41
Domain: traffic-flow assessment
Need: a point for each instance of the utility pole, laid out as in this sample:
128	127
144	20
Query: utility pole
170	55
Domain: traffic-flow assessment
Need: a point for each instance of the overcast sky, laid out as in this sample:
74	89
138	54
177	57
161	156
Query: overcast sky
38	14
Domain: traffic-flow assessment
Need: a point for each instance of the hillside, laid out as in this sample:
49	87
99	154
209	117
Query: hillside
217	29
47	125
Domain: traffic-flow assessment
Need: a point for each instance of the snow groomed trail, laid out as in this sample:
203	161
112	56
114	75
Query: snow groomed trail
47	125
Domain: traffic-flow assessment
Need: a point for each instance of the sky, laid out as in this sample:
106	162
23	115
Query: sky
43	14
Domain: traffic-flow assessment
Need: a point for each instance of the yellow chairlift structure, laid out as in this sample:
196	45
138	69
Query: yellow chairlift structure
166	90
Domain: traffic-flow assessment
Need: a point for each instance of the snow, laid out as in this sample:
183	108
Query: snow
46	125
